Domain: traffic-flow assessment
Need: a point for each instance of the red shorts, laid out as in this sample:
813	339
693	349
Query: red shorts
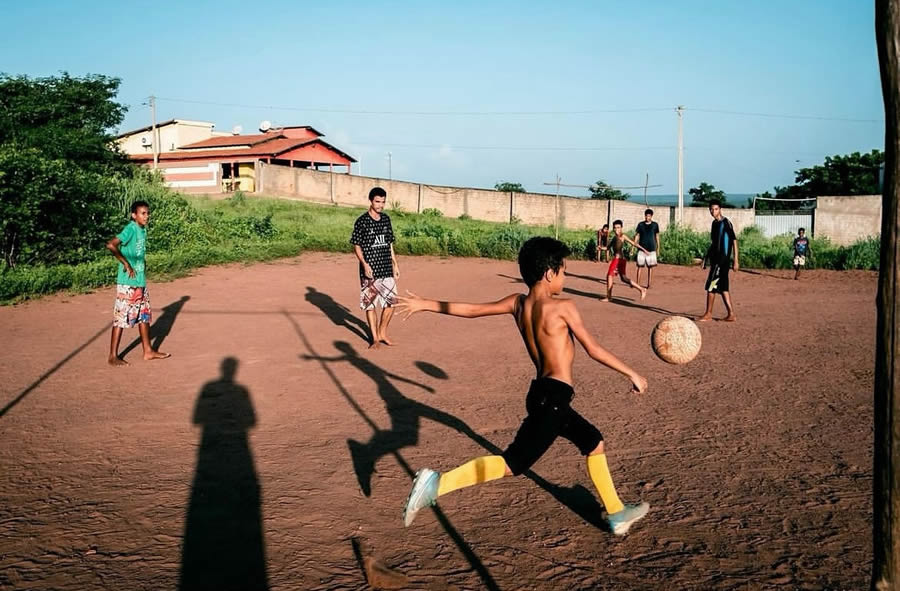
616	267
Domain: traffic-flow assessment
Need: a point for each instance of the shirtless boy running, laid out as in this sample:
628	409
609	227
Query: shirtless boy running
548	325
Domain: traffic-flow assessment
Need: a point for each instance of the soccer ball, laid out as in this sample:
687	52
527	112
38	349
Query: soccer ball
676	339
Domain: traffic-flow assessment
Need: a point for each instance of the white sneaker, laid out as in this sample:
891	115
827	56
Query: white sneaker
424	493
621	521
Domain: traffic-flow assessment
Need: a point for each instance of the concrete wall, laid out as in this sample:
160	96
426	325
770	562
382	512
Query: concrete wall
699	219
533	209
171	136
845	220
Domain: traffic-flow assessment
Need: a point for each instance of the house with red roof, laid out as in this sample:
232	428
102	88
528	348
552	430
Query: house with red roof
225	163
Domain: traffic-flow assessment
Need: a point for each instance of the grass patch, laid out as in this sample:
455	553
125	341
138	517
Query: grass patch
190	232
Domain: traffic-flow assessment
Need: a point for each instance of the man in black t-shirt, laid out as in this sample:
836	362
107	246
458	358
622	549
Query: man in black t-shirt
801	251
718	257
647	235
373	243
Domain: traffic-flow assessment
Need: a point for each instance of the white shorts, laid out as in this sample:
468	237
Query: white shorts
799	261
646	260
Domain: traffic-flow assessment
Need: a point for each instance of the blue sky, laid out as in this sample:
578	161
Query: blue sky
627	63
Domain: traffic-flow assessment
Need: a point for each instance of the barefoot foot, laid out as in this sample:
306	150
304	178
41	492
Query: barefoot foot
116	362
155	355
704	318
730	318
375	345
643	294
387	341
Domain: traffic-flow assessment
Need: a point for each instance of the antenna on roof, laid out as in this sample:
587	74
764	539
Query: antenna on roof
265	125
237	129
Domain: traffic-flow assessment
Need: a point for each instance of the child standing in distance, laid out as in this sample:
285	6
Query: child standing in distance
132	305
373	243
647	234
547	324
718	257
802	249
603	243
617	266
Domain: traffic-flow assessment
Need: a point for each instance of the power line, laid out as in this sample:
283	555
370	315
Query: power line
418	113
422	113
783	116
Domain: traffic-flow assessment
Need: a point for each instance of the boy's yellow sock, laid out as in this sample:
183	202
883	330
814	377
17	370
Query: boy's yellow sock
476	471
599	471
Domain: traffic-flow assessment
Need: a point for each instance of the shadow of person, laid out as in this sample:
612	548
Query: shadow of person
223	545
161	327
405	415
338	313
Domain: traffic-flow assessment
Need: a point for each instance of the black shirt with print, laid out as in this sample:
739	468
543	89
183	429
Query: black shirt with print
374	237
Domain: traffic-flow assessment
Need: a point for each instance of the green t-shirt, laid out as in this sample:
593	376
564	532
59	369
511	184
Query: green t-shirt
134	244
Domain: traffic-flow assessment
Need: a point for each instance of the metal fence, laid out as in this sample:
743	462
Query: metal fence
777	223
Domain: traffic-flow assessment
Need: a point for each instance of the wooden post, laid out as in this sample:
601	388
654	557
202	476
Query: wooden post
419	201
886	469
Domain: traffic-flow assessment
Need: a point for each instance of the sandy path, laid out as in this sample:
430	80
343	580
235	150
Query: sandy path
756	457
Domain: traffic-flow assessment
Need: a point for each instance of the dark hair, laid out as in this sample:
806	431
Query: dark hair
377	192
801	230
617	223
605	226
136	204
539	254
715	202
646	211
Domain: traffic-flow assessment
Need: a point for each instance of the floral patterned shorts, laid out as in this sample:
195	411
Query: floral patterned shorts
132	306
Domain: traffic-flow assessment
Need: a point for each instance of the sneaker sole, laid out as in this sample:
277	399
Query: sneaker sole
622	528
415	494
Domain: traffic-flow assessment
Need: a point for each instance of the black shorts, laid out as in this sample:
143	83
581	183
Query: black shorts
717	282
549	417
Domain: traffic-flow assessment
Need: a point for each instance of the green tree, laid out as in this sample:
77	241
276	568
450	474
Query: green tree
58	167
601	190
505	187
703	193
853	174
64	117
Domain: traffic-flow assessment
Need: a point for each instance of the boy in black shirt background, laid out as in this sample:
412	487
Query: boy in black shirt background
373	243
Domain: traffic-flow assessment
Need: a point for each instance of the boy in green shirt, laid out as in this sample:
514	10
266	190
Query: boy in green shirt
132	299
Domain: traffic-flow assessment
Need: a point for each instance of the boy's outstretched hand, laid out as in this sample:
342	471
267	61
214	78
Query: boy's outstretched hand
409	304
639	384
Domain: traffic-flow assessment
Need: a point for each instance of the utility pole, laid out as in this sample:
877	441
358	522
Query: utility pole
886	465
558	184
154	139
680	110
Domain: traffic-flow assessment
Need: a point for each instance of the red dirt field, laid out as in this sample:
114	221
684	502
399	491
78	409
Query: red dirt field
241	462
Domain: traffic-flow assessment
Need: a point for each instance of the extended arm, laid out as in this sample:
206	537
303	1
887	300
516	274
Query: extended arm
596	352
411	303
634	244
737	266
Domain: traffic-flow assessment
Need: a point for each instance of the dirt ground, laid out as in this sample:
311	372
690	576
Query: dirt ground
273	451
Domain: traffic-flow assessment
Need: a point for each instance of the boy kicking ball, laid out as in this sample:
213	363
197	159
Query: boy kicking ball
546	324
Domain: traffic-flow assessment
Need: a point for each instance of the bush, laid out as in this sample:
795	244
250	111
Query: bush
432	212
681	245
864	254
504	243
